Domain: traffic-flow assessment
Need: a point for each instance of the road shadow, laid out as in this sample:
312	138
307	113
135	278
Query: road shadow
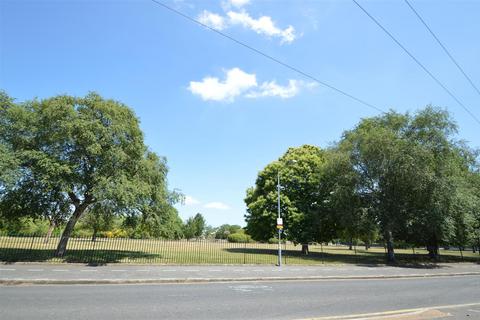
91	257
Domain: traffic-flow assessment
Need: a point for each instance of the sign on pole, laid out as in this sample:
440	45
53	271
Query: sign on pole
279	223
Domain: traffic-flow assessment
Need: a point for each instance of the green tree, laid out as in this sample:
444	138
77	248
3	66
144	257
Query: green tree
194	226
224	230
210	232
90	149
377	155
8	161
97	219
305	188
407	170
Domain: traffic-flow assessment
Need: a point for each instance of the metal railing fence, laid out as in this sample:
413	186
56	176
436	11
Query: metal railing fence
205	251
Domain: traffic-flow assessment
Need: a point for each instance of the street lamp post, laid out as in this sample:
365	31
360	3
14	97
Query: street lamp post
279	218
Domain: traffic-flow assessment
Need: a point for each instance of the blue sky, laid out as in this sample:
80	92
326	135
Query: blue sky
220	113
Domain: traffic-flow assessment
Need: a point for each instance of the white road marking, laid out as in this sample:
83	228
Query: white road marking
119	270
60	270
214	270
7	269
86	270
35	270
474	310
169	270
250	288
192	270
145	270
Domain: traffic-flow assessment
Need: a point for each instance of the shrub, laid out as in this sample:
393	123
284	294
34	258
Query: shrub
275	240
115	233
239	237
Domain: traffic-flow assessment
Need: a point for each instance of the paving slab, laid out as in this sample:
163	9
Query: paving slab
79	273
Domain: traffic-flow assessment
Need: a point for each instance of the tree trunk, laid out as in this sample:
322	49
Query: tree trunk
433	251
305	249
62	245
350	245
49	232
94	236
390	250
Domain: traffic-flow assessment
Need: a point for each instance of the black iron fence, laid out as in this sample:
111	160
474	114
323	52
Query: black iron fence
160	251
126	250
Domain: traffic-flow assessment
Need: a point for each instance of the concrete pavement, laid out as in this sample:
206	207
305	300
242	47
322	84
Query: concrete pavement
12	274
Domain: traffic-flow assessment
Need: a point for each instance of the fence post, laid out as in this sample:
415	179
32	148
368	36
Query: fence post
92	254
321	252
245	252
31	247
31	244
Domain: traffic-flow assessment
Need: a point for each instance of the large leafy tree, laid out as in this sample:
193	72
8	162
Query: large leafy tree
377	155
74	153
466	208
408	168
306	186
8	163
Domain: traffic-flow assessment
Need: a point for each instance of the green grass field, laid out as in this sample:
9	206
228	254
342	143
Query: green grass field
204	252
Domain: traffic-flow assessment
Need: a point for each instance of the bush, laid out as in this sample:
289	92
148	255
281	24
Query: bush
115	233
275	240
239	237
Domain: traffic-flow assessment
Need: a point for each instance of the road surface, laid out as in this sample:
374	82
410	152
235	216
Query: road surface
243	300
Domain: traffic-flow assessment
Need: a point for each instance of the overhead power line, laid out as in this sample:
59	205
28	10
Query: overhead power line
443	47
265	55
418	62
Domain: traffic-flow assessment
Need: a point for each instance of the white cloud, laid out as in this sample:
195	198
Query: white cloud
212	20
272	89
263	25
240	83
236	83
216	205
190	201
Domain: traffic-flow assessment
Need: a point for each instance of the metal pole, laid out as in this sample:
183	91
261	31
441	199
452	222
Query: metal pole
279	230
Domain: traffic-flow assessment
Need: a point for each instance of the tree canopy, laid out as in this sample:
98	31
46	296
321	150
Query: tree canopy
70	154
194	226
404	177
306	185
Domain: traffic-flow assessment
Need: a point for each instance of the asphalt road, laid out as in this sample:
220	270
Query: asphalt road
256	300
